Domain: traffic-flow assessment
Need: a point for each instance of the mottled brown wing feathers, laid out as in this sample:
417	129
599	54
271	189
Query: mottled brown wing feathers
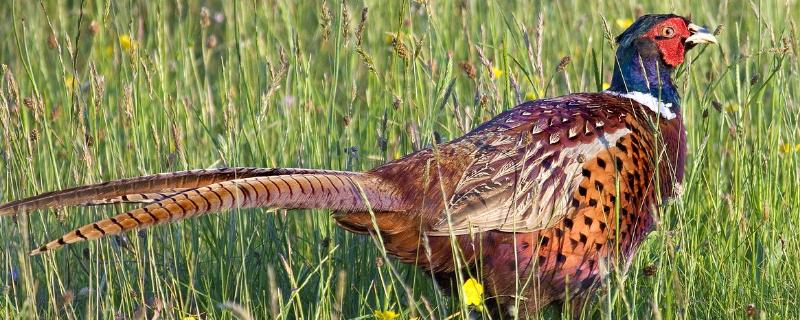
141	189
527	164
332	190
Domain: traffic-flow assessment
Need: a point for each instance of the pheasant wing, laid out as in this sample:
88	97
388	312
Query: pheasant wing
526	166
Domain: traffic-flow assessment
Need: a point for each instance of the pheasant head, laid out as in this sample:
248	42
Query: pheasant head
649	50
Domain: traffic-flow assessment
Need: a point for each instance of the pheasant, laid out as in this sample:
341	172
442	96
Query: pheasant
550	193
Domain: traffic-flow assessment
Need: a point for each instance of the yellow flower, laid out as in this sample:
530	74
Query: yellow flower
70	82
797	147
189	318
496	72
787	148
624	23
384	315
606	85
473	293
531	95
128	44
388	37
125	42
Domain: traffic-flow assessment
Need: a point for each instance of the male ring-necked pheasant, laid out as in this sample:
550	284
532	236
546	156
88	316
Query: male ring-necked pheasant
546	192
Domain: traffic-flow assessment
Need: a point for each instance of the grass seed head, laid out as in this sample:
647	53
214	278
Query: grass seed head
469	69
94	27
362	25
562	65
52	41
400	49
345	21
325	20
205	18
211	42
719	29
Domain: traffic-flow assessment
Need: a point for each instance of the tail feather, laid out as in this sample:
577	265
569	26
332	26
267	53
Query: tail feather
146	197
340	191
141	189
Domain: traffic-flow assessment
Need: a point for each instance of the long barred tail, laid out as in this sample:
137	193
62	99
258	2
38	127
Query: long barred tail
140	189
207	193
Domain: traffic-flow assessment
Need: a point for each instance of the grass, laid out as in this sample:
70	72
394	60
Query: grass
98	90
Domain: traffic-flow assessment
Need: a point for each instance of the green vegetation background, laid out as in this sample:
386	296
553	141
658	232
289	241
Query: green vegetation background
98	90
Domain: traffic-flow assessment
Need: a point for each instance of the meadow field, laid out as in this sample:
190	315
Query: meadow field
97	90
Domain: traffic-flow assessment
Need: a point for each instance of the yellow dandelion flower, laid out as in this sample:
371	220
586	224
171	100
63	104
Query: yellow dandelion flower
473	293
496	73
531	95
606	85
125	42
624	23
128	43
385	315
797	147
787	148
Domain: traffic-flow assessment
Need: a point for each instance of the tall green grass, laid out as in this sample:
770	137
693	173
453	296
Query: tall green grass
98	90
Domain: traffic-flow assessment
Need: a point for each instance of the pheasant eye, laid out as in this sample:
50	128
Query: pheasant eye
667	32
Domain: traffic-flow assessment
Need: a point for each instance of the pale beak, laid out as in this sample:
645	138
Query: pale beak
699	35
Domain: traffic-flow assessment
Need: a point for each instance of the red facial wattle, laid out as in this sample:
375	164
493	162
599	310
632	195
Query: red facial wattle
672	48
